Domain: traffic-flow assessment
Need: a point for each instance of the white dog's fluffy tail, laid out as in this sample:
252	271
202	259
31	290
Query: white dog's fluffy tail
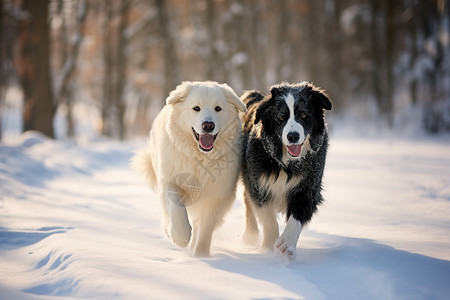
142	163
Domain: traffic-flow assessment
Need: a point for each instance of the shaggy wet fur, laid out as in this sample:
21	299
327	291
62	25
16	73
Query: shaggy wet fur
275	179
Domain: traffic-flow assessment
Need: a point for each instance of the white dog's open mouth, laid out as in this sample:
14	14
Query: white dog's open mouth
205	141
294	150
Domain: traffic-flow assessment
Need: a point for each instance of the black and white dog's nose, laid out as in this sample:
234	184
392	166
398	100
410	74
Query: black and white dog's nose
293	137
208	127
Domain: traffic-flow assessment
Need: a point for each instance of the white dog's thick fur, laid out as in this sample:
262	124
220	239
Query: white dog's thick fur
193	160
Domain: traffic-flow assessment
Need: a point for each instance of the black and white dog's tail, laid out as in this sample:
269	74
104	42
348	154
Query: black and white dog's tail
251	97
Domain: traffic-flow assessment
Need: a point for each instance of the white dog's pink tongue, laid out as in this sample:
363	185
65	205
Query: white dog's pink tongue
206	141
295	149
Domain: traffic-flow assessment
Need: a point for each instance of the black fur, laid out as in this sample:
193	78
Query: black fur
263	146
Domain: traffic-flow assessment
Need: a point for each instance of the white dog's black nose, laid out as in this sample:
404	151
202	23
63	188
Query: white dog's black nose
208	126
293	137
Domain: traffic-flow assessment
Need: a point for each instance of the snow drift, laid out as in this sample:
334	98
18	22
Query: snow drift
75	222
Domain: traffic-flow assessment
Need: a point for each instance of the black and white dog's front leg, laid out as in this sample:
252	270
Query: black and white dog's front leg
302	204
286	244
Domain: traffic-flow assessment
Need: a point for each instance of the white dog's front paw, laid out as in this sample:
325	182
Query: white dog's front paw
179	227
285	249
181	235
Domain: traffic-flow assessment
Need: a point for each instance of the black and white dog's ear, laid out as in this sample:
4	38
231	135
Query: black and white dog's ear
263	111
320	98
179	93
275	91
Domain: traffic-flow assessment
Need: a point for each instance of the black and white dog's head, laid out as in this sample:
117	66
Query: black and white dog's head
293	116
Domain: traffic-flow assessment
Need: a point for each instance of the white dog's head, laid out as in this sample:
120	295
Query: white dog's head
205	109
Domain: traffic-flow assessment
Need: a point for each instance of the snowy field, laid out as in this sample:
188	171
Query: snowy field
75	222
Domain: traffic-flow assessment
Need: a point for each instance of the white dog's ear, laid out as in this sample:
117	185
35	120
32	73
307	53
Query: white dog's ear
179	93
233	98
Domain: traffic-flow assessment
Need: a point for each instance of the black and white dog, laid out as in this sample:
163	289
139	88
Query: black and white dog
284	150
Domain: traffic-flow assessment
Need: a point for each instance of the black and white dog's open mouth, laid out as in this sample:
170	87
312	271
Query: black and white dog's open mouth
205	141
294	150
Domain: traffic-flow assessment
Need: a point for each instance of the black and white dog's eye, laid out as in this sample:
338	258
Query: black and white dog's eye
218	108
281	118
303	116
196	108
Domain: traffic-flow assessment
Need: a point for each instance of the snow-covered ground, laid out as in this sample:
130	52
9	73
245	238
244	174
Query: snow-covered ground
75	222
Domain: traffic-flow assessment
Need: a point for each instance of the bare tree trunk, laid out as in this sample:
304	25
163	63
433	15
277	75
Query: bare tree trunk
171	74
258	52
2	78
283	67
33	65
387	105
115	63
335	80
108	63
213	67
413	32
242	49
313	42
63	89
375	53
121	68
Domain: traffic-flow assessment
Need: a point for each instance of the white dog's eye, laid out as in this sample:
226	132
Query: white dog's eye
196	108
218	108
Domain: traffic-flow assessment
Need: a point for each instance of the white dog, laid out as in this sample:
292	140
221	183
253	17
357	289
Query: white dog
193	160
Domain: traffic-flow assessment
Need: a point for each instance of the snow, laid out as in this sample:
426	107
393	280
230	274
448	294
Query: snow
76	222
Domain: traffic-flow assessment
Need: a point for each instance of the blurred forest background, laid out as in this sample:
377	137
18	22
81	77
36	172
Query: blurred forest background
99	67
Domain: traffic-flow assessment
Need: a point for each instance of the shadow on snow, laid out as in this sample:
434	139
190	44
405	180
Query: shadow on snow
351	268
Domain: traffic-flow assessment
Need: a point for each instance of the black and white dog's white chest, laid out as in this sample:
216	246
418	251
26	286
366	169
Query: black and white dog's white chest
278	188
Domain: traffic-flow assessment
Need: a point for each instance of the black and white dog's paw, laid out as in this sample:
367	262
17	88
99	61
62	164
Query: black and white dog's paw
286	244
285	249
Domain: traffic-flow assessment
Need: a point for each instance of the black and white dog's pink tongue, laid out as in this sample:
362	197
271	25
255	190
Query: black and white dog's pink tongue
295	149
206	141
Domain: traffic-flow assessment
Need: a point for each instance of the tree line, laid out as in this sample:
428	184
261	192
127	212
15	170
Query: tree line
120	59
